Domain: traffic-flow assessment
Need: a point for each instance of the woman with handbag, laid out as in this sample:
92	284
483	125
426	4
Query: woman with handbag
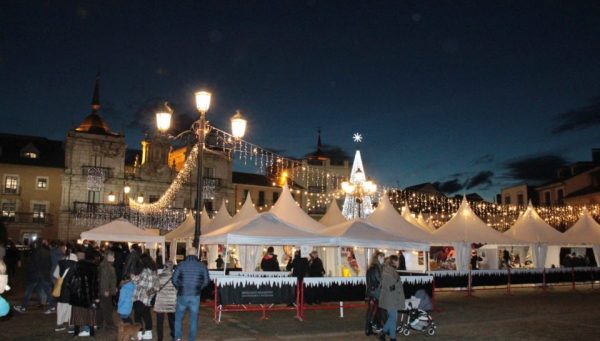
166	301
61	291
391	297
146	287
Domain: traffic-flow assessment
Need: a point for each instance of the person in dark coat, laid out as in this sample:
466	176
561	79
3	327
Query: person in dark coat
315	269
269	261
64	268
401	261
83	287
475	259
38	276
133	263
373	318
12	258
298	266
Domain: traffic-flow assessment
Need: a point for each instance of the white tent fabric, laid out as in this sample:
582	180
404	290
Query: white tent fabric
264	229
462	251
333	216
221	219
246	212
386	217
288	211
531	228
423	223
466	226
186	229
586	231
362	233
249	256
121	230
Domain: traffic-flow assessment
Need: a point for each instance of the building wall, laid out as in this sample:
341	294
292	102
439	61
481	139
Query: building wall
28	195
254	192
516	195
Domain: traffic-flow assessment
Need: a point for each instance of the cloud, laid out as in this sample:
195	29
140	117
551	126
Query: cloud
578	119
534	168
450	186
483	159
481	178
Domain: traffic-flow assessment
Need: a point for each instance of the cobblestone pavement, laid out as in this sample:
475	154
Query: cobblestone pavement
527	314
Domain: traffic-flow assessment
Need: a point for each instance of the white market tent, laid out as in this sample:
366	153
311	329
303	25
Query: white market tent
264	229
586	231
423	223
333	216
408	216
466	228
121	230
185	230
533	230
221	219
386	217
246	212
288	211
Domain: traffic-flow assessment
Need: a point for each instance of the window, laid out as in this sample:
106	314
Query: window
560	194
9	209
93	197
209	172
275	197
261	198
11	184
520	200
507	200
547	198
41	182
245	194
30	155
39	212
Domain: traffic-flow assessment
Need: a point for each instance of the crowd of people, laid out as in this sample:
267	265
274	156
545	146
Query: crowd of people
85	284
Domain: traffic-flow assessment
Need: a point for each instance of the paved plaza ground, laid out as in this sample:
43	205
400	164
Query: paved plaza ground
528	314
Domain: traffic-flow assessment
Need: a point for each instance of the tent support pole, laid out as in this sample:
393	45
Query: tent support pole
339	257
225	258
164	249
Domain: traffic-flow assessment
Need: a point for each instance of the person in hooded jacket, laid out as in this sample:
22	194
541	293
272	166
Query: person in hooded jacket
38	276
146	286
269	261
64	267
166	301
391	297
83	290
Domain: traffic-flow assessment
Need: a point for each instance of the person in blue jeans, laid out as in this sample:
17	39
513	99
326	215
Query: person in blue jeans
38	277
190	277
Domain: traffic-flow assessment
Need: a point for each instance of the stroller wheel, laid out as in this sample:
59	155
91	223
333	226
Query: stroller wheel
406	332
431	331
399	329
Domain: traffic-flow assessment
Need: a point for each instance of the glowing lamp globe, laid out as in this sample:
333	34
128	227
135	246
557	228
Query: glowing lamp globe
111	197
238	125
126	189
203	101
163	121
140	198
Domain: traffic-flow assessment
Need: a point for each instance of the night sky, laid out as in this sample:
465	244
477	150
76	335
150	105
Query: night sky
475	95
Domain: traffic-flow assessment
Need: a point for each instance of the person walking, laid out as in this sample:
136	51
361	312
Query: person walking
373	318
38	276
64	269
190	277
107	289
315	269
146	286
166	302
269	261
391	297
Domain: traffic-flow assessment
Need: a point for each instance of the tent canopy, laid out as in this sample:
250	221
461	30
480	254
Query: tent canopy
186	229
387	218
466	227
221	219
288	210
121	230
423	223
586	231
264	229
362	233
531	228
246	212
333	216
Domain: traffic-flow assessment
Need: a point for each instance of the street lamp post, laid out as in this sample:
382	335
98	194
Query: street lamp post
163	122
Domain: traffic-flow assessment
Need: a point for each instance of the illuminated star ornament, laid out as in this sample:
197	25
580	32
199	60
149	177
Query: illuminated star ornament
357	137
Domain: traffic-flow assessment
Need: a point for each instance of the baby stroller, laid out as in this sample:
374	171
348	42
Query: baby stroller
415	317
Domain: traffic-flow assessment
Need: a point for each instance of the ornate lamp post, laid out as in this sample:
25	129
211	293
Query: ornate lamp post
163	122
359	190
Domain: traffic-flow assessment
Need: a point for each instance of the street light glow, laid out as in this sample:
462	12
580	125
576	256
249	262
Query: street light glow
203	101
238	125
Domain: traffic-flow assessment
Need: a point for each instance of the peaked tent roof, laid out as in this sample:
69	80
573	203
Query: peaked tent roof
246	212
585	231
466	226
333	216
531	228
221	219
186	228
264	229
407	214
288	210
362	233
121	230
423	223
390	220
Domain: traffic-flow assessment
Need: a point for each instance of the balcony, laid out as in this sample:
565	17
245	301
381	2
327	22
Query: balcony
105	172
40	218
11	190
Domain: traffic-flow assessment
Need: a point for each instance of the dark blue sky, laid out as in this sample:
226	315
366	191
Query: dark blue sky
460	92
